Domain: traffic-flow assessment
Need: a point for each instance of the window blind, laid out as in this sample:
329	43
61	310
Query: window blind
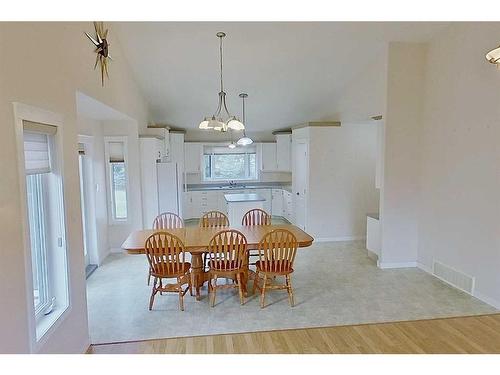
116	152
36	147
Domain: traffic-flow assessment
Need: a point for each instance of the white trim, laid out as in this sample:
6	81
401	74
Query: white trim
388	265
486	299
339	239
109	196
480	296
26	112
114	250
423	267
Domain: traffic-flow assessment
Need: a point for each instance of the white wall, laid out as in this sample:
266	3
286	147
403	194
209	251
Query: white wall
119	232
400	186
48	77
341	180
93	128
459	221
365	95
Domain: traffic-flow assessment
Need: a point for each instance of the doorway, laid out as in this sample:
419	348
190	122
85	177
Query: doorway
86	199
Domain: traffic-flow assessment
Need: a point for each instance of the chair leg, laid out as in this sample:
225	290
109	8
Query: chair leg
190	284
181	295
240	288
263	292
149	275
255	281
288	279
153	292
161	286
214	290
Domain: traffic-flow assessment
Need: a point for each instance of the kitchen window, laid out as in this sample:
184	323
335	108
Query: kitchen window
222	163
45	224
117	170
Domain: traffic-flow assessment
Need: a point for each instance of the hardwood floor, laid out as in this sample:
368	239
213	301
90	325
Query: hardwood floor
476	334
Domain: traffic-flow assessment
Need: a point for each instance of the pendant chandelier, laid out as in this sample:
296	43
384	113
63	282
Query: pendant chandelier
221	120
244	141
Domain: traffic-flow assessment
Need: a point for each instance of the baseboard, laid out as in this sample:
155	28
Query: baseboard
116	250
388	265
486	299
338	239
423	267
372	255
480	296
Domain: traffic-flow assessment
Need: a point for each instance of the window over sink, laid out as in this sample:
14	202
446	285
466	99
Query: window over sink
224	164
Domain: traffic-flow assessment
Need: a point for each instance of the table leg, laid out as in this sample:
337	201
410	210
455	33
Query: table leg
197	273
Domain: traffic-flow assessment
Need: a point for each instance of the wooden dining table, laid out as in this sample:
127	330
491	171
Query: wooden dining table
196	240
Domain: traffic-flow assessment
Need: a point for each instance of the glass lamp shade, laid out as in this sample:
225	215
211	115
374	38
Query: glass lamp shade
244	141
494	56
205	124
235	124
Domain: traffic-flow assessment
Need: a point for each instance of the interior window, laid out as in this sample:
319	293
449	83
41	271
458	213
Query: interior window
46	227
225	164
117	179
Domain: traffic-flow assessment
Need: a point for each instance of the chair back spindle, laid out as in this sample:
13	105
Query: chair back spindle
256	217
166	254
168	220
214	219
227	250
277	250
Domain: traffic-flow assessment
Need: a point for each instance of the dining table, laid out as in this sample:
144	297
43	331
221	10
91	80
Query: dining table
196	240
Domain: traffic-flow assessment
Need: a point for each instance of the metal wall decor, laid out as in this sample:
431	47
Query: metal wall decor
102	48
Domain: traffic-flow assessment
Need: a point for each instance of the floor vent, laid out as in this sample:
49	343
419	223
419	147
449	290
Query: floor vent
453	277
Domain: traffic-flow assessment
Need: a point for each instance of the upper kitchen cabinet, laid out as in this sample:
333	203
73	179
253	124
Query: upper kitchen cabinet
269	162
177	148
192	158
283	152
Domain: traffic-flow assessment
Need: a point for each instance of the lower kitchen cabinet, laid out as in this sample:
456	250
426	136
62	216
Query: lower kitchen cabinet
197	203
277	202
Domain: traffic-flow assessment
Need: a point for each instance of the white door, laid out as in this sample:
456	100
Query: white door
300	193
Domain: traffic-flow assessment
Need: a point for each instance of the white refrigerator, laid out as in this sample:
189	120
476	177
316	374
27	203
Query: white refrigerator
169	180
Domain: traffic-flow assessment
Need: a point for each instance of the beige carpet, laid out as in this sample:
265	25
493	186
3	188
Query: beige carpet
335	284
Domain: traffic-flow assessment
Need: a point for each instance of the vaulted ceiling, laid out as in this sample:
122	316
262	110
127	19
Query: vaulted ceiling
292	72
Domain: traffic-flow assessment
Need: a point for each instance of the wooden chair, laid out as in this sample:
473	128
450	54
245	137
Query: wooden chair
166	220
227	254
276	256
214	219
256	217
166	257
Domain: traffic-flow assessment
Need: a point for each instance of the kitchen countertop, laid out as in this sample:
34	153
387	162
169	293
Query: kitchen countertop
215	187
235	198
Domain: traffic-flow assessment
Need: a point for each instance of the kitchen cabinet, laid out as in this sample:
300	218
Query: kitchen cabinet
197	203
192	157
277	202
283	152
288	212
268	157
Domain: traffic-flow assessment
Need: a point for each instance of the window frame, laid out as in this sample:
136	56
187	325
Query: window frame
230	152
112	220
40	328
